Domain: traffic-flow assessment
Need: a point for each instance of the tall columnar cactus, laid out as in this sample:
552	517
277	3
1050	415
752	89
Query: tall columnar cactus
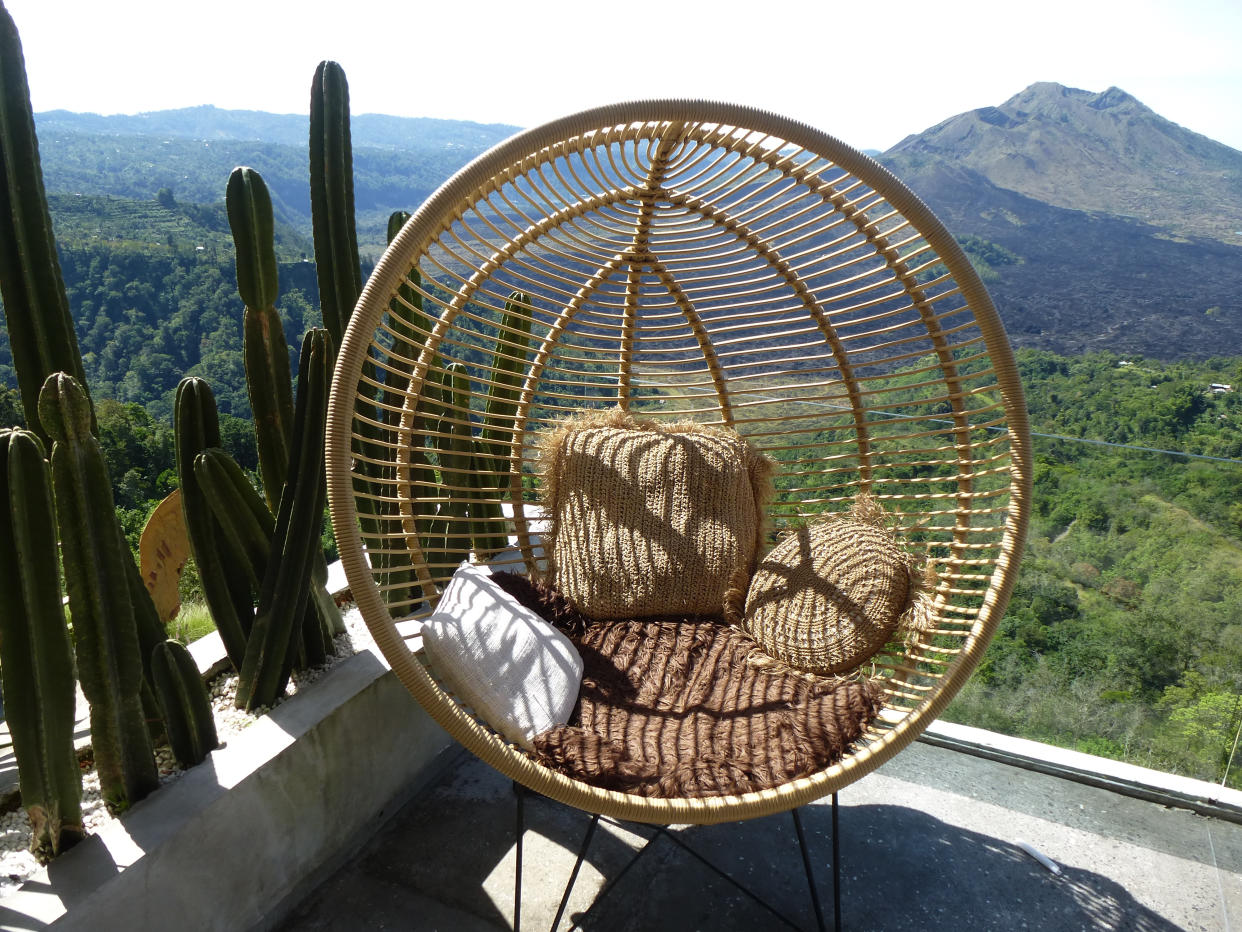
457	471
35	652
97	575
36	308
225	588
266	352
497	438
508	368
267	360
336	261
286	584
332	199
411	326
184	702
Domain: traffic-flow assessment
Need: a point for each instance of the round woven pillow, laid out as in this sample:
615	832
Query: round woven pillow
830	595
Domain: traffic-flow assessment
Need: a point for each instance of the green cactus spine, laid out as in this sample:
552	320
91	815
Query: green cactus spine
266	352
332	199
286	583
184	703
41	333
224	582
35	652
110	663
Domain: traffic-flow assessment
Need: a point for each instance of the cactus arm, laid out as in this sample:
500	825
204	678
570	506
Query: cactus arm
270	649
224	581
247	530
490	527
332	199
151	631
497	440
336	259
249	208
36	308
266	352
268	384
184	702
245	523
457	465
411	326
35	652
508	366
110	664
282	600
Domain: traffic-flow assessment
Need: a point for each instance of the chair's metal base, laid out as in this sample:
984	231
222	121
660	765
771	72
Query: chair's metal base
663	832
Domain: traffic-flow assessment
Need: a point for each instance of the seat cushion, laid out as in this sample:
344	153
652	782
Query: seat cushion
651	519
678	707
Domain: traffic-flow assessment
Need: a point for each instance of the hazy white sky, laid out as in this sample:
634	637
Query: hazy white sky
869	80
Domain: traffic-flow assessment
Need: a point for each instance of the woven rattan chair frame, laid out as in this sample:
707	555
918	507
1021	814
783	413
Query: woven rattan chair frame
683	259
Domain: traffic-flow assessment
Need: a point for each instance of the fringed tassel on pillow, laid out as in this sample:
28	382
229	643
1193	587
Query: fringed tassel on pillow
918	618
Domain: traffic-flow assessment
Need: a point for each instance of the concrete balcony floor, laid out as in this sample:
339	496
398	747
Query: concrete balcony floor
932	840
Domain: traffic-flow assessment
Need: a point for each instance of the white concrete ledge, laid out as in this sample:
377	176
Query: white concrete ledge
224	846
1128	779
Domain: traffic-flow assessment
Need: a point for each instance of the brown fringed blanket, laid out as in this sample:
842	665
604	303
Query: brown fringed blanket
671	707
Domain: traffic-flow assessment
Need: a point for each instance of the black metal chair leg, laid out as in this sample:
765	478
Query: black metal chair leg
599	897
573	874
836	868
520	792
810	871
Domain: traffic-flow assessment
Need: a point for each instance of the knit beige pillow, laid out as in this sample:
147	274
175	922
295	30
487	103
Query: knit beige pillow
831	594
650	519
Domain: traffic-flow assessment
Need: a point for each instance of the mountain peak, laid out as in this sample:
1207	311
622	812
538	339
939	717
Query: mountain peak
1048	97
1115	97
1104	151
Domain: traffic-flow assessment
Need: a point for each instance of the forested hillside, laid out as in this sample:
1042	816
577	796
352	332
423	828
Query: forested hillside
153	288
398	162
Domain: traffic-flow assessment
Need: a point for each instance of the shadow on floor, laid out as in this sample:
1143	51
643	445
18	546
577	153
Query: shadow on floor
446	862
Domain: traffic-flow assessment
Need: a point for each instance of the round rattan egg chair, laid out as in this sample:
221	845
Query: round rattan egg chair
682	260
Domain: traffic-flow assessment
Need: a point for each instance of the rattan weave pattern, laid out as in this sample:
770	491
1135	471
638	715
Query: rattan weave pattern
684	260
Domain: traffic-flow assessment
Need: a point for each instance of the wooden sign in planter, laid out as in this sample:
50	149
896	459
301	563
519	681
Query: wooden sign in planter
238	840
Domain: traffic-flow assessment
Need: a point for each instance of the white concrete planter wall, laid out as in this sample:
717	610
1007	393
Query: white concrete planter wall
249	830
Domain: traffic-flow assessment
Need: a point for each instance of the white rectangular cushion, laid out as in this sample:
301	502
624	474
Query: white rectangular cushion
514	669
